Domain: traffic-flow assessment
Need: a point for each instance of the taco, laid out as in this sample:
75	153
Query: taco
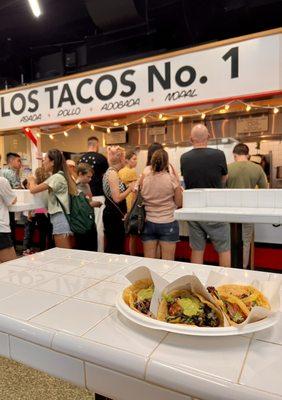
237	301
185	307
139	295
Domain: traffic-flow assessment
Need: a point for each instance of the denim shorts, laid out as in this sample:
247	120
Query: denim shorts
218	232
6	241
167	232
60	224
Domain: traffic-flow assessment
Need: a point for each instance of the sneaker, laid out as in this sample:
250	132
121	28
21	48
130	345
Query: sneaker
27	252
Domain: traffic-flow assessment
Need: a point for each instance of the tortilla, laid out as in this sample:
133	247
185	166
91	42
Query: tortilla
199	311
237	301
131	295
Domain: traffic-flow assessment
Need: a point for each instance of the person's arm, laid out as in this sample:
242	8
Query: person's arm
224	169
118	196
7	193
224	179
34	188
178	196
262	182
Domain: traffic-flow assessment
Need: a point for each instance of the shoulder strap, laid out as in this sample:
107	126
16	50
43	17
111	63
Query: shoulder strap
63	208
117	207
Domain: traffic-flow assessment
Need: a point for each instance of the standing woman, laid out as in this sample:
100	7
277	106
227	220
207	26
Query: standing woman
115	204
162	194
128	175
59	185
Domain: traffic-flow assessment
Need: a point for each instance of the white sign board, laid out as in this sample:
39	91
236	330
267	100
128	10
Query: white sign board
236	70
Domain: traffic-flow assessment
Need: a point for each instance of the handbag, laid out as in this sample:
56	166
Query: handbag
135	219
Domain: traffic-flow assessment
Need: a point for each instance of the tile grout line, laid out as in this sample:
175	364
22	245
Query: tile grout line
149	356
245	358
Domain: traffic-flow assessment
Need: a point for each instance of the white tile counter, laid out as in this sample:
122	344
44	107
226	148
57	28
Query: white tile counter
57	314
262	206
27	201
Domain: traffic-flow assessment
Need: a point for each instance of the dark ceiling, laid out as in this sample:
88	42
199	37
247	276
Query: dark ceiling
77	35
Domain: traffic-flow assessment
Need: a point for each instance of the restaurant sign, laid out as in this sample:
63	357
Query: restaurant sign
235	70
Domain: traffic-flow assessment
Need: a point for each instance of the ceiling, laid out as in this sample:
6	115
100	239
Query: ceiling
77	35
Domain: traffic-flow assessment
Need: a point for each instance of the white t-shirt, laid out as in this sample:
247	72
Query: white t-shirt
7	196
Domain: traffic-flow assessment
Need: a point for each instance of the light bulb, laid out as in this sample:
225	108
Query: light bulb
226	107
38	135
275	110
66	134
116	123
160	116
51	137
144	120
125	128
203	116
92	127
108	130
180	119
248	108
79	126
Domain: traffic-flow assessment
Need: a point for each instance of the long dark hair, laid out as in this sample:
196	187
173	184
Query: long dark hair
159	161
60	165
151	150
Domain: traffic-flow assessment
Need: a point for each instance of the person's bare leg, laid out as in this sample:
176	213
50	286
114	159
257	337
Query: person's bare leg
133	245
168	250
7	254
197	256
63	241
150	248
225	259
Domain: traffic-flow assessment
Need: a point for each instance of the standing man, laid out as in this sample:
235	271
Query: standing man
12	171
7	198
244	174
203	167
12	174
98	163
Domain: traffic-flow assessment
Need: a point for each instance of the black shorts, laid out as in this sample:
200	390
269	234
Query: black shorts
6	241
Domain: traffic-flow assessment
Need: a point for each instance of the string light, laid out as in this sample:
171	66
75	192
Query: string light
222	109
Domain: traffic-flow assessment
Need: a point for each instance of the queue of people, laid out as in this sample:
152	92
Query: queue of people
115	180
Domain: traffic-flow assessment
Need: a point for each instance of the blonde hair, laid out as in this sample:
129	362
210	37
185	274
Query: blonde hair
115	155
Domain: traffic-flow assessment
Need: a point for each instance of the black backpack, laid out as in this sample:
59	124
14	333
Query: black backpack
135	219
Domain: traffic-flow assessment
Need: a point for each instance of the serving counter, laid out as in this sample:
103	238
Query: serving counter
57	314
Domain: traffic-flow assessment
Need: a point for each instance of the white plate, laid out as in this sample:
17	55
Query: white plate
151	323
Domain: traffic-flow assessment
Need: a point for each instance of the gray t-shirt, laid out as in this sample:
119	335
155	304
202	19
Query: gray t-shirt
7	196
59	187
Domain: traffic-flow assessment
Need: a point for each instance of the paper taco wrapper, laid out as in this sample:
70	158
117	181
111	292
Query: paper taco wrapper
270	289
188	282
159	283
